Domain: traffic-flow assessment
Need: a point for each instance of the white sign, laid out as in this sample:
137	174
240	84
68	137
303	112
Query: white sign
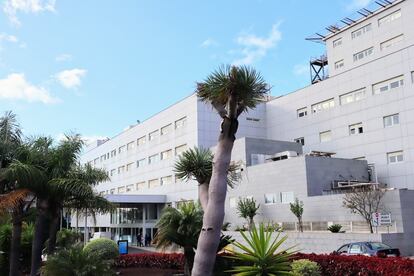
379	219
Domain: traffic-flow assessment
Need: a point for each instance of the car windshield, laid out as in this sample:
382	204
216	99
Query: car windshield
378	245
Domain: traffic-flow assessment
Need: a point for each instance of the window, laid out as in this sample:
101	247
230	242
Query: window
141	163
121	169
153	135
129	167
325	105
356	129
166	180
140	185
130	145
302	112
112	191
388	18
339	64
412	77
388	85
166	154
233	202
153	158
103	157
180	149
113	153
363	54
166	129
395	157
271	198
153	183
356	249
141	141
300	140
96	161
391	120
351	97
121	149
337	42
252	119
286	197
129	188
391	42
361	31
180	123
121	190
325	136
112	172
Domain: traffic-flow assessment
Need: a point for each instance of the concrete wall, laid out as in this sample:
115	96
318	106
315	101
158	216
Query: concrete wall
319	179
325	243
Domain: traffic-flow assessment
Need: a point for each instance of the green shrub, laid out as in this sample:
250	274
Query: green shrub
67	238
262	254
335	228
305	267
106	249
75	261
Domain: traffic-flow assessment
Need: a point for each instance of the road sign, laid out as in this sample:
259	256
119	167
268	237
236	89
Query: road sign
379	219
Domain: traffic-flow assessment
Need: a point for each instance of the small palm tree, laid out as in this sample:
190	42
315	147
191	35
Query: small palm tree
197	164
180	226
247	209
297	209
231	90
74	262
262	254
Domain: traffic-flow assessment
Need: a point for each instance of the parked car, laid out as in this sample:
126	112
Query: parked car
99	235
377	249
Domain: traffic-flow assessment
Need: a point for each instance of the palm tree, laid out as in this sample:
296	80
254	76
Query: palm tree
66	182
180	226
197	164
262	255
247	209
10	137
231	91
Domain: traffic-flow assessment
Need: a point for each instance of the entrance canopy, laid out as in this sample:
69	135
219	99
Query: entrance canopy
136	198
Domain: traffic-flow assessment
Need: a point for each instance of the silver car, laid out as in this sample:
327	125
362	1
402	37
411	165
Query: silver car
377	249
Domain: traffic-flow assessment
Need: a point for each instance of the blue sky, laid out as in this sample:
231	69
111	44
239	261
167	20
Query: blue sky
95	67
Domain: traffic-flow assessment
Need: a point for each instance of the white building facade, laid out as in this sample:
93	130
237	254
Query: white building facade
364	111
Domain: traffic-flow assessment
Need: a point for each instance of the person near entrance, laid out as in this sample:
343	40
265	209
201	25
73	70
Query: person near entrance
139	239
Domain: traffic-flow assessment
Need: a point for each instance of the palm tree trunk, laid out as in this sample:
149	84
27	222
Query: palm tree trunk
189	260
214	213
54	226
16	241
39	237
203	195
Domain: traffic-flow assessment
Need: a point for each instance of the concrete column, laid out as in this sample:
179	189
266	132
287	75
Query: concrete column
85	229
144	226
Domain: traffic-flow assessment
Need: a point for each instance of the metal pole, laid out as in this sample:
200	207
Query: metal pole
85	228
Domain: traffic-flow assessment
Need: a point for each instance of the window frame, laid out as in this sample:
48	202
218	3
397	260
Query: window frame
325	132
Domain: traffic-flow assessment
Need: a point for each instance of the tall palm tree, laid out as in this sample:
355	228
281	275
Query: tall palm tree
197	164
10	137
180	226
231	90
65	181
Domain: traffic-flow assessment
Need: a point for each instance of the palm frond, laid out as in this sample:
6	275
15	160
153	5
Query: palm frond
13	199
242	82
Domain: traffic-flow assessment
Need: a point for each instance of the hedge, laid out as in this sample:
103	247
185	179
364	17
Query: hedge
339	265
152	260
332	265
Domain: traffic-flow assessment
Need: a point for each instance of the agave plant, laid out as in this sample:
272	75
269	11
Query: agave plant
262	254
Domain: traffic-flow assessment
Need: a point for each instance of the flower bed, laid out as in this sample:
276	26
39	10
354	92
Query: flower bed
337	265
332	265
152	260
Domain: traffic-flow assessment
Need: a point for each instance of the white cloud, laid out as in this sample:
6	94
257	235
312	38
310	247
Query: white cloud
358	4
209	42
301	69
15	87
254	48
12	7
8	38
71	78
63	57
